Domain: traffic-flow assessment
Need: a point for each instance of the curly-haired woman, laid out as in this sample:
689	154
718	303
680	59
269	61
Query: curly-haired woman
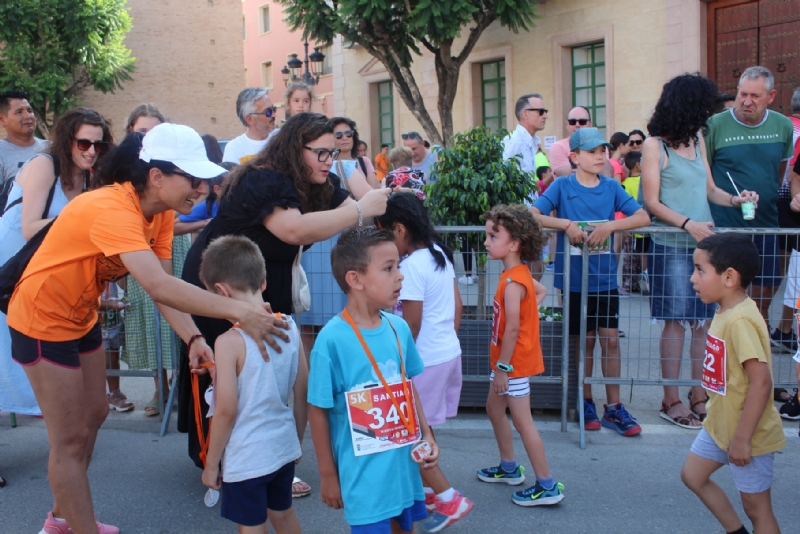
283	198
677	187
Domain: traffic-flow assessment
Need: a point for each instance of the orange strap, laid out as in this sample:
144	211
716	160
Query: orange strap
198	416
409	422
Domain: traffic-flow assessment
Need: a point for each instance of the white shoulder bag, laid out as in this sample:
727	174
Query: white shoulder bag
301	294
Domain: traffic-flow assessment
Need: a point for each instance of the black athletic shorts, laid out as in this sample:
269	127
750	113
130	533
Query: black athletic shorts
602	310
28	351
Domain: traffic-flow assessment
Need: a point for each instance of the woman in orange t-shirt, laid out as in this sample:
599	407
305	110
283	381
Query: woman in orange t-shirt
53	315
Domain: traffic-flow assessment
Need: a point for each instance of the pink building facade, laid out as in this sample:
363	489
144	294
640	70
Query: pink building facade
268	45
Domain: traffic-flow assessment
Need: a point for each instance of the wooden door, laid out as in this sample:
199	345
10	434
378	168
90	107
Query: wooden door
779	44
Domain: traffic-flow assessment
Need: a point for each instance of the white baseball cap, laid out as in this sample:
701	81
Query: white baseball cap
181	146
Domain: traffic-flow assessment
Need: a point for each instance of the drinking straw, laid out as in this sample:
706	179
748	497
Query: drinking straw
733	184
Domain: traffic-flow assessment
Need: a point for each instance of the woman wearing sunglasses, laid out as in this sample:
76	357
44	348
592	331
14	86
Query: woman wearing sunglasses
283	198
49	181
125	226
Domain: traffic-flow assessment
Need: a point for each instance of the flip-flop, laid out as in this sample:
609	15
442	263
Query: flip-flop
683	421
304	489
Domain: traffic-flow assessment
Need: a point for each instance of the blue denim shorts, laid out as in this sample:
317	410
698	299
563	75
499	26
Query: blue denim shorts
671	295
406	519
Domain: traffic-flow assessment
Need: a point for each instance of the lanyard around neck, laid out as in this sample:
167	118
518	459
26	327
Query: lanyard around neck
409	422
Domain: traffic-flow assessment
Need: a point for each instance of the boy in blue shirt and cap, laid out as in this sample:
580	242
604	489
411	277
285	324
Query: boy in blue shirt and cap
585	203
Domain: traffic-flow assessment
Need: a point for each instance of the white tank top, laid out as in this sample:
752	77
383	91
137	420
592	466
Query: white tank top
264	436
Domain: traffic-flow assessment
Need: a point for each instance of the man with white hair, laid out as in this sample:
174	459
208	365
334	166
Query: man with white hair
753	145
257	113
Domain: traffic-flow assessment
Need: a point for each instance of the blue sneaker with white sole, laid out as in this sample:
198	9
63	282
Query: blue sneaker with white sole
537	495
497	474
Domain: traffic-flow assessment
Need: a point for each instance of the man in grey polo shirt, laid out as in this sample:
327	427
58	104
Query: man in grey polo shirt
20	145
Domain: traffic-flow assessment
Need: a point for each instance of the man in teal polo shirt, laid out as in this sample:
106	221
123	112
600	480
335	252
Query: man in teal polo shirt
753	144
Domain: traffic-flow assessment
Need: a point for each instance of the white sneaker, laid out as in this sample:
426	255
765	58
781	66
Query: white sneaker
468	280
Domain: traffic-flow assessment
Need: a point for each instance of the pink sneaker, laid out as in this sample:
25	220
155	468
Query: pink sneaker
51	526
430	502
447	513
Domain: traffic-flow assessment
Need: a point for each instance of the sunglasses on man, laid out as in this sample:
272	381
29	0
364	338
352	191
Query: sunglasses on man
541	111
85	144
339	135
411	135
269	112
573	122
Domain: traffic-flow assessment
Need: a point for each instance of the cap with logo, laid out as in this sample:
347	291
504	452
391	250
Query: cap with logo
181	146
587	139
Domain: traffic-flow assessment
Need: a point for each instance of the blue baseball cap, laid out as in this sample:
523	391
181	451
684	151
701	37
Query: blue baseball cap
587	139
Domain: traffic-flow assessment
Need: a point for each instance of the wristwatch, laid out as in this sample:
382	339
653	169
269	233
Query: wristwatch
505	367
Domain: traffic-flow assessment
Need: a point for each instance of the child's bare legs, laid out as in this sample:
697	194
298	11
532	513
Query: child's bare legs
284	522
258	529
609	363
496	410
758	507
434	478
397	530
523	421
696	474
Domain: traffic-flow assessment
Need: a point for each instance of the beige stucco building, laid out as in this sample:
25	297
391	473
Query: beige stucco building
189	64
620	51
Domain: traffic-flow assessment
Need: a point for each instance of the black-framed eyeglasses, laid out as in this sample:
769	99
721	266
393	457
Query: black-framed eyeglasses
323	153
541	111
269	112
196	182
635	142
348	133
582	122
85	144
411	135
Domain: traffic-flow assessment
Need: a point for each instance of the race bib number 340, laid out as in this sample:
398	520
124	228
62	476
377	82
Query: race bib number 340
375	425
715	369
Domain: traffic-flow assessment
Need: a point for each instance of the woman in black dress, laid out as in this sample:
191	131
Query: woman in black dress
283	198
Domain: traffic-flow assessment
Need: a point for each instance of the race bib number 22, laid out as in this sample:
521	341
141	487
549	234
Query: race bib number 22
715	373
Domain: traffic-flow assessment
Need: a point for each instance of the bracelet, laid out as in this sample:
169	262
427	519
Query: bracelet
683	226
569	223
504	367
731	200
360	218
193	339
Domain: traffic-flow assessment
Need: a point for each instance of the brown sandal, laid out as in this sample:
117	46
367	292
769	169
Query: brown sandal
701	416
683	421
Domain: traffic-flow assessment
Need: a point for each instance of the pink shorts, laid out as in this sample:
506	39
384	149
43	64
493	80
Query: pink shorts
439	389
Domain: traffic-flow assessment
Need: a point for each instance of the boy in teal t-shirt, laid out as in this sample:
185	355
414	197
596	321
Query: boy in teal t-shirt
363	438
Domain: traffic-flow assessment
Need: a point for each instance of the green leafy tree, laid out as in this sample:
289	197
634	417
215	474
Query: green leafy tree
393	33
55	48
472	178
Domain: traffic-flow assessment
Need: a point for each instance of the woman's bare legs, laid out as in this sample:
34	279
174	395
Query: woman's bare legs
74	406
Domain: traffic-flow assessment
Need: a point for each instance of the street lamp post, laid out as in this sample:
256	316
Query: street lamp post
290	72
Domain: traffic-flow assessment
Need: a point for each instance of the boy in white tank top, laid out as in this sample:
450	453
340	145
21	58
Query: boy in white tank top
251	409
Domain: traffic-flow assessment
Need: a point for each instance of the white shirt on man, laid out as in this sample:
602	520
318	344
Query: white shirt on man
242	149
522	145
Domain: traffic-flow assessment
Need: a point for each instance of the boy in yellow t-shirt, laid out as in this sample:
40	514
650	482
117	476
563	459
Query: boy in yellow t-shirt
743	428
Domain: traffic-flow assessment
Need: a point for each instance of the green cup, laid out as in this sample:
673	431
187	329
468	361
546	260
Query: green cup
748	211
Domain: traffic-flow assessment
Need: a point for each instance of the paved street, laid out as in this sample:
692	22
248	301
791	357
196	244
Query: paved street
146	484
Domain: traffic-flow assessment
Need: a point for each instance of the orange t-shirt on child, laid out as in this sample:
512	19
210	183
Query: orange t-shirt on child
527	359
58	295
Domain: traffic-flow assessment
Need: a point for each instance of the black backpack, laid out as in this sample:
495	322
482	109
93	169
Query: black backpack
11	272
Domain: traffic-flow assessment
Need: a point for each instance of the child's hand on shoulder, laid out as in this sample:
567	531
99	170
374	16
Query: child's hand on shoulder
500	383
212	478
740	452
331	491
